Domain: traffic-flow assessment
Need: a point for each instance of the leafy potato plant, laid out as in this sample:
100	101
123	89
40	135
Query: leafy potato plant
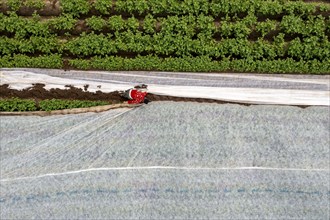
20	105
16	104
247	34
57	104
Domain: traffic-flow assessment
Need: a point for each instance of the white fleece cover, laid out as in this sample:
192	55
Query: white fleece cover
171	160
168	160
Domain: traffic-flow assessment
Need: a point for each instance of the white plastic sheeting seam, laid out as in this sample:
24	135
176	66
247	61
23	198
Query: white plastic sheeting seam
162	168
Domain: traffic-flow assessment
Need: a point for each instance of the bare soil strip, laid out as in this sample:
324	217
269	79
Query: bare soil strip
38	92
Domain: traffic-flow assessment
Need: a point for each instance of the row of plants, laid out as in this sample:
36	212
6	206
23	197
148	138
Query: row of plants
18	104
217	7
227	27
15	5
176	7
52	61
163	44
185	64
202	64
189	30
22	27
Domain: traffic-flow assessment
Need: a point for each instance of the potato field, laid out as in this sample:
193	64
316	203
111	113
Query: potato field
268	36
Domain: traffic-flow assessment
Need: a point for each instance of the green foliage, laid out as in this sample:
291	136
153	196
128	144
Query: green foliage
64	22
37	4
195	7
18	60
13	24
265	27
16	104
149	24
20	105
2	17
116	23
44	45
180	7
324	7
216	7
239	29
309	49
31	45
234	30
14	5
184	26
196	64
59	104
132	24
75	7
268	8
299	8
132	6
91	44
315	25
80	63
23	28
205	26
96	23
7	45
103	6
187	33
204	64
159	7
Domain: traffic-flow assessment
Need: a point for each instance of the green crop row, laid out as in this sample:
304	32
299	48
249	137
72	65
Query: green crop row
202	64
19	60
22	27
186	64
58	104
239	28
163	44
177	37
216	7
188	25
16	104
32	45
313	26
201	27
214	31
177	7
15	5
20	105
180	45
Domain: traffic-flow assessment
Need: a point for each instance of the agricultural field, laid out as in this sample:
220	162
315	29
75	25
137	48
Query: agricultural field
278	36
237	126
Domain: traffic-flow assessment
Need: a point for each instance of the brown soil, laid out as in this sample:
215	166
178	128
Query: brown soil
38	92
